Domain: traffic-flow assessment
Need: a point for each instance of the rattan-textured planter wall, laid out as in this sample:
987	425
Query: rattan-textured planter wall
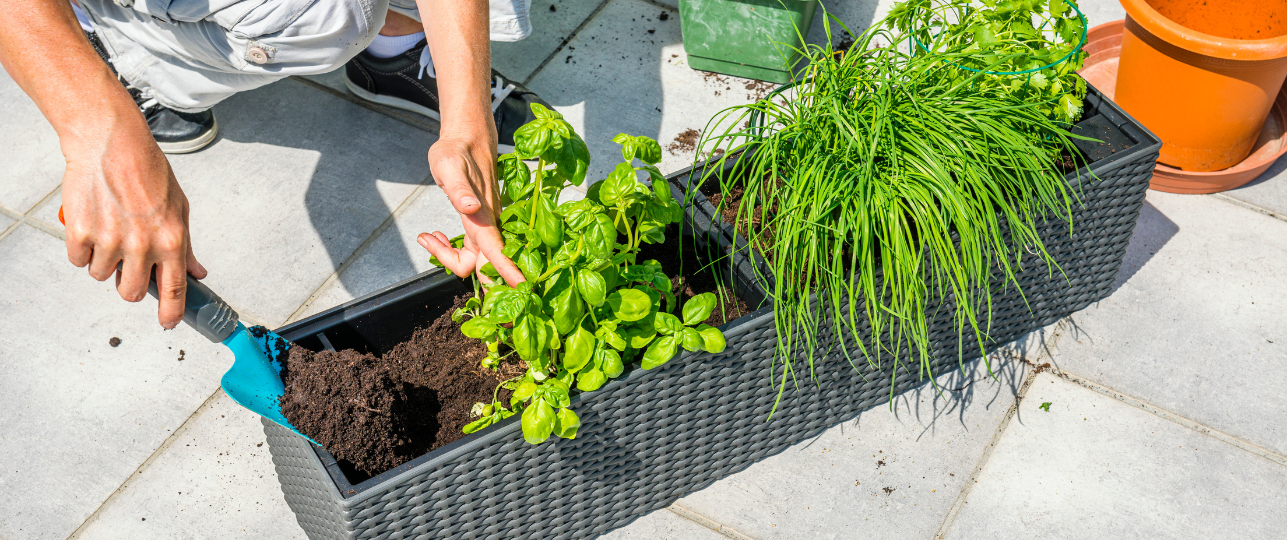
650	437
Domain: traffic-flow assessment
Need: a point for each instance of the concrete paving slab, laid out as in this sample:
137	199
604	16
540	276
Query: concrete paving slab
663	524
298	180
79	414
394	255
31	163
1094	467
214	480
886	474
47	212
5	222
1198	323
553	21
626	71
1269	192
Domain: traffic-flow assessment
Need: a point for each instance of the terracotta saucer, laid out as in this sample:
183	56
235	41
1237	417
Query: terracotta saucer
1104	44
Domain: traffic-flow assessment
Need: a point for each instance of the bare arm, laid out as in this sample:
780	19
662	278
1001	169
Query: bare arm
463	161
121	201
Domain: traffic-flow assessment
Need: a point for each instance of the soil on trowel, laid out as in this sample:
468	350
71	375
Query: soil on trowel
677	254
378	412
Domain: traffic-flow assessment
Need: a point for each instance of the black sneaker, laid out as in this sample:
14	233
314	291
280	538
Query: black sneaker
175	132
408	82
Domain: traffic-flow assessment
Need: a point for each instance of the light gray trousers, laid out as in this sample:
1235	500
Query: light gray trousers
191	54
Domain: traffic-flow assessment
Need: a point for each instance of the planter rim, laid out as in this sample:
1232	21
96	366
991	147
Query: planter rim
1191	40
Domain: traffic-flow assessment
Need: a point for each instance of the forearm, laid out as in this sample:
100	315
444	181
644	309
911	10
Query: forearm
458	32
44	50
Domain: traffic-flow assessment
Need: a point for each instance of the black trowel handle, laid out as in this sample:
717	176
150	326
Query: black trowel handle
204	310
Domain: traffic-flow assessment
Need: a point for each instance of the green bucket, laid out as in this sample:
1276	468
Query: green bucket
745	38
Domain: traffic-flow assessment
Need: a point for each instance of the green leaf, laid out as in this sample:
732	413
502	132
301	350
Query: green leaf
629	304
544	113
644	148
566	423
555	392
532	263
574	160
525	390
515	175
527	337
600	237
479	424
567	307
609	362
660	352
580	213
579	349
590	380
548	224
538	422
698	308
479	328
691	339
592	287
667	324
607	332
712	339
640	336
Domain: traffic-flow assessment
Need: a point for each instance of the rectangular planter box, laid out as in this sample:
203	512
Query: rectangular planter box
754	39
651	437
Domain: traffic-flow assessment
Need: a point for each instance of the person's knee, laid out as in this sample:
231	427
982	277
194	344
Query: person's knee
306	36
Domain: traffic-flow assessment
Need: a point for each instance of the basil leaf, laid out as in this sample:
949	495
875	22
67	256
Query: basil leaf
698	308
479	424
660	352
592	287
566	423
629	304
548	224
567	306
538	422
667	324
691	339
600	237
527	336
591	380
479	328
712	339
532	263
516	176
525	390
610	363
580	347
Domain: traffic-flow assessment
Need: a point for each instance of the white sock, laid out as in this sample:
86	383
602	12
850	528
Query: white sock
390	46
82	17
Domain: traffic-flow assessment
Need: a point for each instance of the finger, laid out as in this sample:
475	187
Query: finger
194	267
132	278
452	175
171	288
103	261
505	267
460	262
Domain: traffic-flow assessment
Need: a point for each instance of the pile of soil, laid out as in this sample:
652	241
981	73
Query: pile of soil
379	412
676	254
685	142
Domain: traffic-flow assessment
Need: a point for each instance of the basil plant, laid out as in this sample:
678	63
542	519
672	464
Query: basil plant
589	307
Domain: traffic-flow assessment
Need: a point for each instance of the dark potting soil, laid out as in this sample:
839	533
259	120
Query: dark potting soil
678	259
379	412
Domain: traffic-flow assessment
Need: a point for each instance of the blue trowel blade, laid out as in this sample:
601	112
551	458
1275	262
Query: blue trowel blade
254	381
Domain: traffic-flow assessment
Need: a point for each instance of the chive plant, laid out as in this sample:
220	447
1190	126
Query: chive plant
887	180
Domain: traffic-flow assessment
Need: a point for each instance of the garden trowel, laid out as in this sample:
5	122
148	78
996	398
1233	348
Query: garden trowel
254	380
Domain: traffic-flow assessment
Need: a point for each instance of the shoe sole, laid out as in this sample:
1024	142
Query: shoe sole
187	147
409	106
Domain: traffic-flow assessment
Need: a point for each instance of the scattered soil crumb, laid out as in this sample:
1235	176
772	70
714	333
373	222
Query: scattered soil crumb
380	412
880	464
552	8
115	341
759	89
181	353
664	16
685	142
888	490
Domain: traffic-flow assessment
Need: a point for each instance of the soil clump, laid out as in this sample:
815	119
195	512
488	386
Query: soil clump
380	412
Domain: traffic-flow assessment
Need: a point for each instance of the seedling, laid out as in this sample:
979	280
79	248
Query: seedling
588	307
1045	406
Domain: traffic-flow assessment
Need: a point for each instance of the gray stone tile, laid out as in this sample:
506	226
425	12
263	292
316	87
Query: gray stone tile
890	473
31	163
47	212
80	415
213	481
616	77
333	82
1268	192
5	222
1098	12
663	524
394	255
1198	322
518	60
1094	467
298	180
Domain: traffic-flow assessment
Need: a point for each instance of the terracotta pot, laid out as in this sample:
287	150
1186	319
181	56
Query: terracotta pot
1202	75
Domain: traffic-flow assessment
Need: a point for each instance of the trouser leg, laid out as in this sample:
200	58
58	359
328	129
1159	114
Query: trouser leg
510	19
195	53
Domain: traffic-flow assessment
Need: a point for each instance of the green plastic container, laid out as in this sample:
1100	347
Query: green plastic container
754	39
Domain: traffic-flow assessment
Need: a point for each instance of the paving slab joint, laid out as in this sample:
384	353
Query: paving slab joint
706	522
1168	415
987	453
1249	206
156	454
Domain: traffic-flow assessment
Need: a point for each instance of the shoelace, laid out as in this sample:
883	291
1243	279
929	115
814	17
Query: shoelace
500	90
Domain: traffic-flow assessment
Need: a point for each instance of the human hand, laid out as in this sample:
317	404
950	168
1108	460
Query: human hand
122	204
465	168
